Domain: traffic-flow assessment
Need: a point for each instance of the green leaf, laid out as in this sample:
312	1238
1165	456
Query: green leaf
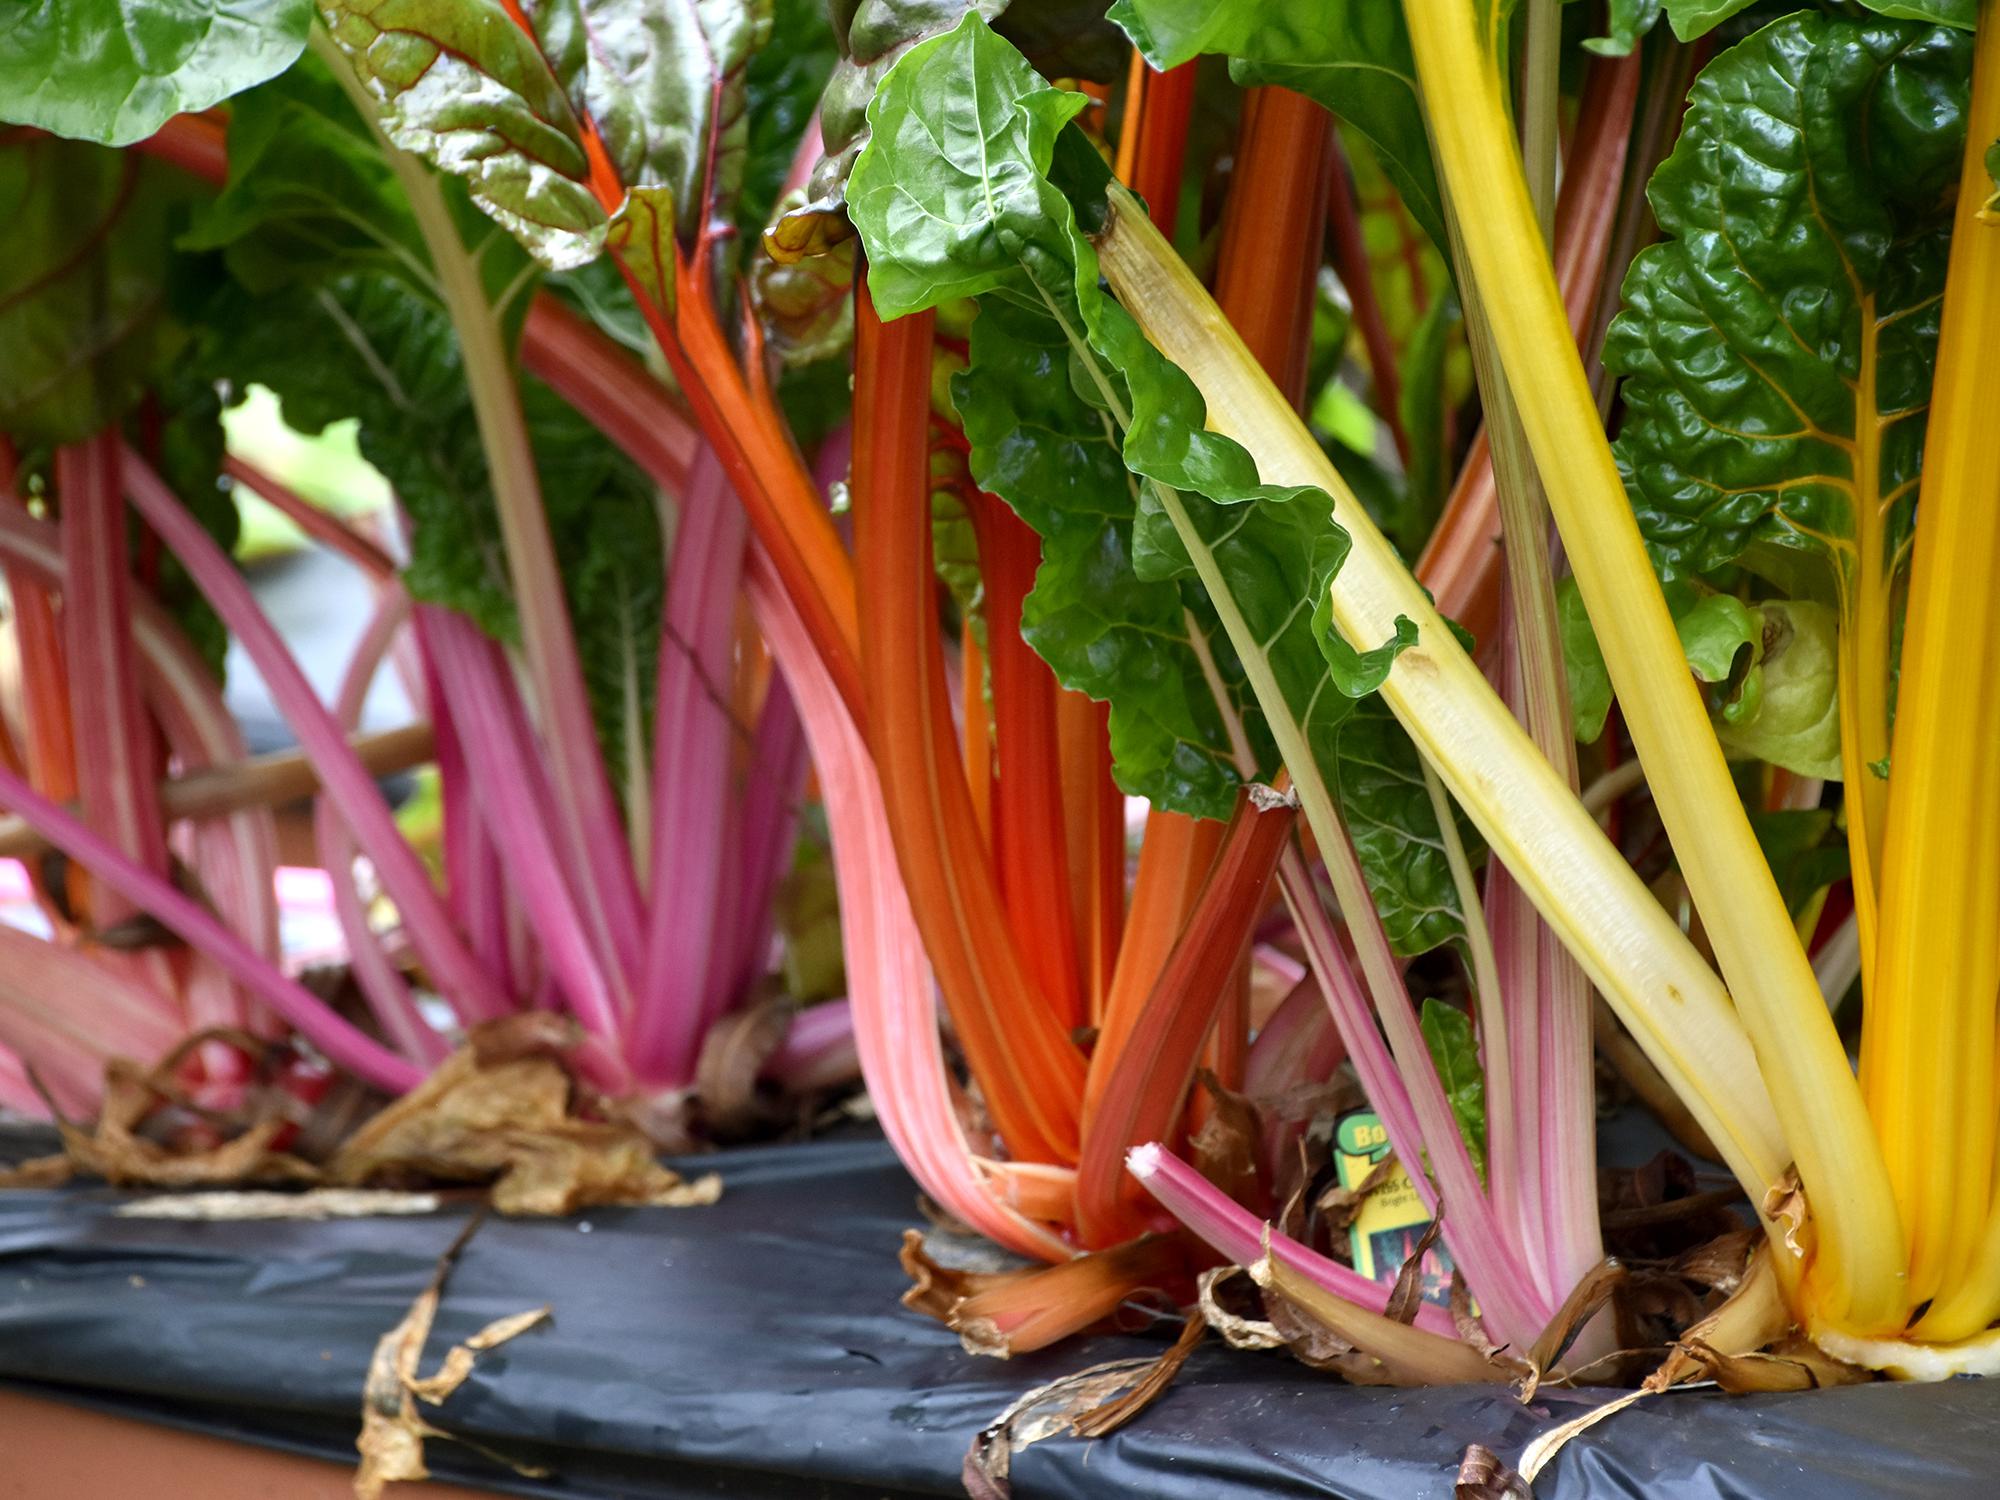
1425	409
1789	323
1353	56
1064	37
309	194
1105	631
664	86
1963	14
1626	23
1455	1053
459	84
114	71
1068	408
84	286
1693	18
781	85
1794	720
1379	779
1720	636
1805	849
1583	664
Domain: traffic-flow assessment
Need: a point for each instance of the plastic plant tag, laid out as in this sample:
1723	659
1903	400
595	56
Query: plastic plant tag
1391	1218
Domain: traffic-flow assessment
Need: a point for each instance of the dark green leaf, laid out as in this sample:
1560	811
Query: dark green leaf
1353	56
1379	779
1806	850
1455	1053
781	87
1583	663
84	322
1960	13
309	194
1789	323
114	71
1426	413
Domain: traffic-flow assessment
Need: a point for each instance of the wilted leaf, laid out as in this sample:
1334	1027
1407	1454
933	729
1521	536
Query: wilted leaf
1482	1475
314	1205
502	1111
1003	1313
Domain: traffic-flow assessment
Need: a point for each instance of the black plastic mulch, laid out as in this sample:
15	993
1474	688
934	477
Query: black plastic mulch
756	1348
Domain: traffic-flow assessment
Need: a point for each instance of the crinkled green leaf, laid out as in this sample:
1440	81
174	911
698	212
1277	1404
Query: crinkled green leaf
1626	22
1455	1052
1353	56
781	87
1068	405
1795	719
1379	779
1066	38
1106	631
461	85
114	71
1794	307
84	285
806	306
370	348
1719	635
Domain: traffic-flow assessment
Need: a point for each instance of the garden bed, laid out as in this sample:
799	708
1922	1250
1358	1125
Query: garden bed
757	1348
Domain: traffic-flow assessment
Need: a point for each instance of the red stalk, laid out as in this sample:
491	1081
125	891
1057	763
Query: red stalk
1143	1094
1094	836
1272	231
1153	146
1029	833
1018	1047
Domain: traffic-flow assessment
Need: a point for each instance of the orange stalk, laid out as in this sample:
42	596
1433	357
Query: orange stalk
1272	231
1094	835
1462	563
1030	836
976	730
1142	1096
1028	1069
1153	143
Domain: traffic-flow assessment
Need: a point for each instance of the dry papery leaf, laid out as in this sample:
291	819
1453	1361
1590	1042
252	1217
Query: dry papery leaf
1016	1311
1238	1331
732	1056
1091	1403
115	1150
502	1111
1226	1146
1483	1475
392	1433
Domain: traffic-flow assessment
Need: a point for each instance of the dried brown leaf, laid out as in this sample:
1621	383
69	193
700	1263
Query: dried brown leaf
1237	1331
1753	1317
502	1111
1408	1293
1109	1416
1794	1363
732	1056
393	1435
1592	1291
1338	1205
1227	1145
1483	1475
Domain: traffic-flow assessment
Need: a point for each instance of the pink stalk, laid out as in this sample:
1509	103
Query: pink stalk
1298	1045
16	1092
193	924
693	741
378	979
518	809
343	777
607	383
1402	1084
818	1052
1237	1235
891	991
116	768
326	529
761	848
472	879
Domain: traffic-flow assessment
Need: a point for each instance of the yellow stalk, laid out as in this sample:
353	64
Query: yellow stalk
1861	1261
1630	947
1936	974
